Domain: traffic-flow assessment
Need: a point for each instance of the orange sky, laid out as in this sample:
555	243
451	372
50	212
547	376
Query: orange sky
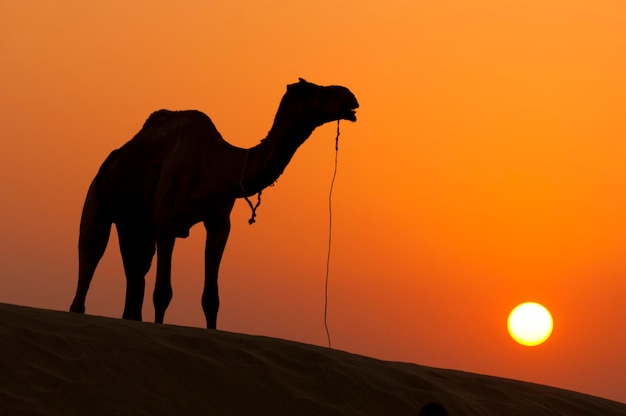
487	168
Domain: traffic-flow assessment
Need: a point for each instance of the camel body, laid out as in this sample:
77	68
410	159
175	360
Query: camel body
178	171
159	173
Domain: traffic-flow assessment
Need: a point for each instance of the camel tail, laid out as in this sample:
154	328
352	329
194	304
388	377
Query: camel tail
95	228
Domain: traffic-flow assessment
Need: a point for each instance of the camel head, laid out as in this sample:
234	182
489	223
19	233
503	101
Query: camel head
315	105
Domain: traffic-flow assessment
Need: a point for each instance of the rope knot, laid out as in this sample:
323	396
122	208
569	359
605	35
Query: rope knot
253	207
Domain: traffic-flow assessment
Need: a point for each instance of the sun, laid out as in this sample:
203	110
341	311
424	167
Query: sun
530	324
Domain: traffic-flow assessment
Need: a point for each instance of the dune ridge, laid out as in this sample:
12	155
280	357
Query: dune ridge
57	363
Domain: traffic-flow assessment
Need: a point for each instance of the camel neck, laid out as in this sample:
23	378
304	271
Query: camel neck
283	141
256	173
265	162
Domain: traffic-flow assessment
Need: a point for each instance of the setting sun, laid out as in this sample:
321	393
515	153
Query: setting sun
530	324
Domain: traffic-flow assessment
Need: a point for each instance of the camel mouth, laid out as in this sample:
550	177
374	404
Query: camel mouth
351	113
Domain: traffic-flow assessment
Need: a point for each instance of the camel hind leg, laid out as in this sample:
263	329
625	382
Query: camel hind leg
137	246
95	228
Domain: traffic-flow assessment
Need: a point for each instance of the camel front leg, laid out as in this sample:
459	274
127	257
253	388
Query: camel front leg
217	231
163	284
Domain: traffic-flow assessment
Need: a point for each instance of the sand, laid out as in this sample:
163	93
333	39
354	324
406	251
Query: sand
57	363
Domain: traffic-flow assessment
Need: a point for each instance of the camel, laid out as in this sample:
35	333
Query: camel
178	171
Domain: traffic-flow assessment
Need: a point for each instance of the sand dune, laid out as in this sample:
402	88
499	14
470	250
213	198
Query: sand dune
57	363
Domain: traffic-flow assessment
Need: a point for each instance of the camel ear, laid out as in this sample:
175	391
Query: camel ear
301	81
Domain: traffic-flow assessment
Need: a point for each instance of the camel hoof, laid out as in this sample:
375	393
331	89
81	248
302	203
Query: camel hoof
77	308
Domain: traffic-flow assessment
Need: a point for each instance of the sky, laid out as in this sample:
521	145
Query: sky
486	169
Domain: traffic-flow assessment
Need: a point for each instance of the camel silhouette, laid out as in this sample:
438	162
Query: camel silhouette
178	171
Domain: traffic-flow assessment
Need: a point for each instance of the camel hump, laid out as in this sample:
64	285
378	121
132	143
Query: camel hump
158	118
163	117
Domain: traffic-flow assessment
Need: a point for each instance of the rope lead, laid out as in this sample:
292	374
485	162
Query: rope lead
330	234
